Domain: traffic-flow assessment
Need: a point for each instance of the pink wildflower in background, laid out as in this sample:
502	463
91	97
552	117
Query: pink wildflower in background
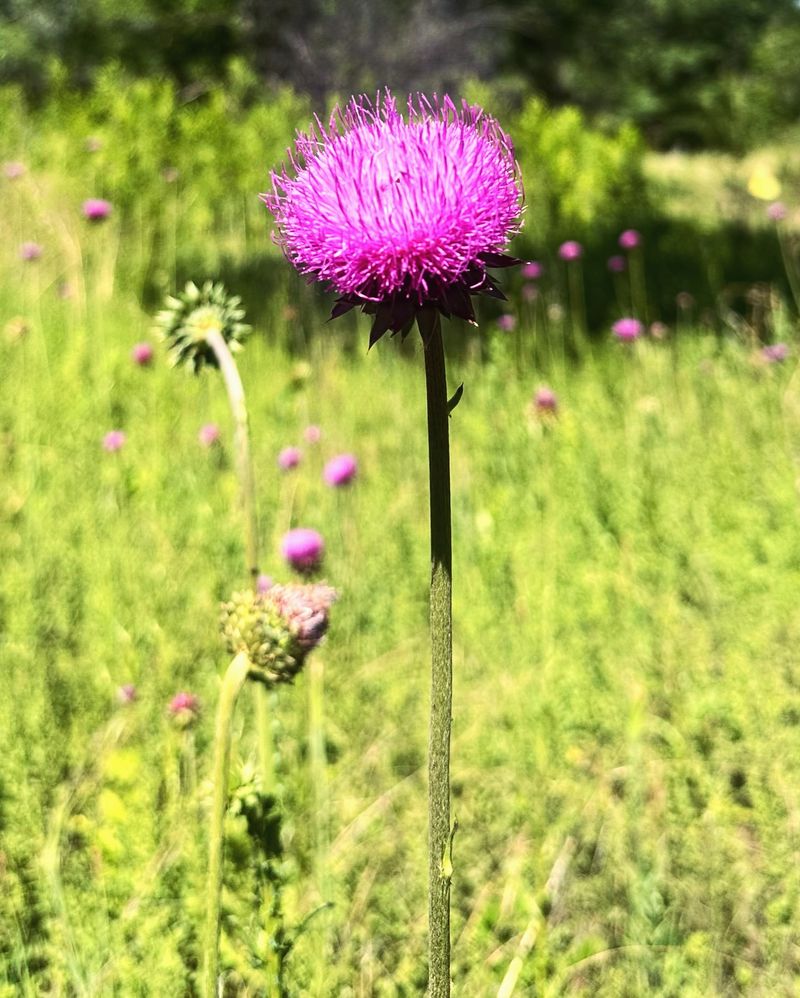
184	708
303	549
305	610
93	144
617	264
289	458
126	693
570	250
776	211
13	171
627	329
30	251
340	470
264	583
142	354
209	434
630	239
530	292
545	400
312	434
775	353
96	209
507	323
114	441
398	213
531	270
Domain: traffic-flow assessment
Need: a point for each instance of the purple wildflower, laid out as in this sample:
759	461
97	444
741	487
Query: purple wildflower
209	435
630	239
289	458
303	549
545	400
127	693
305	610
312	434
400	214
264	583
776	212
340	470
142	354
114	441
775	353
184	708
96	209
570	250
617	264
507	323
13	171
627	329
30	251
531	270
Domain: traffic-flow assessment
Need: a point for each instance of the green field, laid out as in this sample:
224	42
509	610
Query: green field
627	679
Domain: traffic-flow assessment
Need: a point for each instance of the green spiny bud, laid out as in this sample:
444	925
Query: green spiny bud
186	322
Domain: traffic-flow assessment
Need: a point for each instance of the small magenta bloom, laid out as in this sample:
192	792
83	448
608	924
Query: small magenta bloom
776	212
312	434
184	708
303	549
289	458
617	264
30	251
630	239
114	441
570	250
545	400
127	693
209	435
627	329
775	353
340	470
264	583
13	171
305	610
399	214
96	209
531	270
507	323
142	354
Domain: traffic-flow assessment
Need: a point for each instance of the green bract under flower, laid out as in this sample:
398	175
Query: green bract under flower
189	318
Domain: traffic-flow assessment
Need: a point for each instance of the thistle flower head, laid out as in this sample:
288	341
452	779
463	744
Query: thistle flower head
775	353
630	239
96	209
617	264
506	323
277	628
532	270
289	458
312	434
114	441
184	709
13	170
340	470
545	400
303	548
142	354
570	250
209	435
30	251
627	329
776	212
399	213
189	318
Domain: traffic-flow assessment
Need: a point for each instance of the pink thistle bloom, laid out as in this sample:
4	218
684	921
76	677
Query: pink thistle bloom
531	270
96	209
305	610
13	171
209	435
399	213
303	549
312	434
570	250
775	353
776	212
127	693
617	264
627	330
264	583
114	441
545	400
630	239
507	323
142	354
340	470
289	458
30	251
184	708
530	292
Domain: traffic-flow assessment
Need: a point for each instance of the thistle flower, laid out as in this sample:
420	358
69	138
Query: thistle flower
776	212
312	434
126	693
570	250
531	270
630	239
303	549
278	628
263	583
340	470
775	353
506	323
627	329
209	434
114	441
617	264
142	354
189	317
30	251
96	209
289	458
184	709
530	292
13	171
545	401
400	214
658	330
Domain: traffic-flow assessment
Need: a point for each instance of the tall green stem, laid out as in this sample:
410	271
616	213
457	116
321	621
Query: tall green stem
439	859
232	683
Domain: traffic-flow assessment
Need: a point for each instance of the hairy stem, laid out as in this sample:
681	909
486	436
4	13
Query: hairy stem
232	683
439	860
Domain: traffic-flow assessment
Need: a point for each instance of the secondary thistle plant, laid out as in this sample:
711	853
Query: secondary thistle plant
403	217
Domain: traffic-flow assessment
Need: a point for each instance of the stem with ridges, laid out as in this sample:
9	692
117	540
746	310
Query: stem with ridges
232	683
439	870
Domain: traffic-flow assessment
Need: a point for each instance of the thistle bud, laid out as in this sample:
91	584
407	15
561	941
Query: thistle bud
186	322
